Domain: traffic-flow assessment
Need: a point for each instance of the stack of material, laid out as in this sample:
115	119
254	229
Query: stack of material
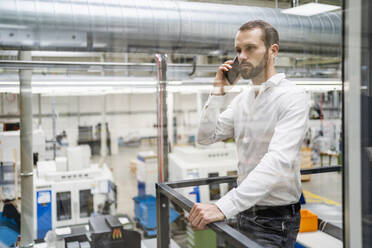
10	141
7	181
147	173
306	162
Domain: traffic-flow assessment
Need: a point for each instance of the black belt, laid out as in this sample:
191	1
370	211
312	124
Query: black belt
274	211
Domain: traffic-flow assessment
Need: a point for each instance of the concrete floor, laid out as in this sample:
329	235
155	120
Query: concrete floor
328	186
124	178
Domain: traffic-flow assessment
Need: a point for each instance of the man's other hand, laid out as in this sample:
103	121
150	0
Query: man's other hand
202	214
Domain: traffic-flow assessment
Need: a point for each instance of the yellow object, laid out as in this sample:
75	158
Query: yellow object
313	198
309	221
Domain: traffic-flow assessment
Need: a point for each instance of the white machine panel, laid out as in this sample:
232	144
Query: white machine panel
190	162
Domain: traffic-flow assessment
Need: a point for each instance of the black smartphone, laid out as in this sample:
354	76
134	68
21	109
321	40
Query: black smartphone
234	72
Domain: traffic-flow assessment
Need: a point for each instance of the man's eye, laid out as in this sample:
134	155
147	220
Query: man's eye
238	51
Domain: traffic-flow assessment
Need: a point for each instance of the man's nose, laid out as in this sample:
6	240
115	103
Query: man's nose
242	57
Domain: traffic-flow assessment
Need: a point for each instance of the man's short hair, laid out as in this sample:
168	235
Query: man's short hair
269	33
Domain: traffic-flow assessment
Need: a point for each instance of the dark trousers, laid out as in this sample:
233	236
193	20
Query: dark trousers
271	228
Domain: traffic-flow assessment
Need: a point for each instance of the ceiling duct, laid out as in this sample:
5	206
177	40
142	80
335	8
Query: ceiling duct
154	26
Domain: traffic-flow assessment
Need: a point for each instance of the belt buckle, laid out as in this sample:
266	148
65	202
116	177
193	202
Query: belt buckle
293	209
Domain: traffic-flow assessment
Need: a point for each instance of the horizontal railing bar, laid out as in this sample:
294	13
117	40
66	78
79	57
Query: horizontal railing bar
201	181
229	179
321	170
230	234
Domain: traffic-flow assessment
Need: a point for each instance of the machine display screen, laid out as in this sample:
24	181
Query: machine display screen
86	203
63	205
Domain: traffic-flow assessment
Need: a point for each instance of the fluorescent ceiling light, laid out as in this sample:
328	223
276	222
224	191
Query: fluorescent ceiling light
310	9
147	86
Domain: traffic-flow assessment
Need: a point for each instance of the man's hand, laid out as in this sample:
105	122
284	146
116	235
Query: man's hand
202	214
220	80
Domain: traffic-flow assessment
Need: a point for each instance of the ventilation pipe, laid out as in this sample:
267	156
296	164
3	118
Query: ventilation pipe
154	26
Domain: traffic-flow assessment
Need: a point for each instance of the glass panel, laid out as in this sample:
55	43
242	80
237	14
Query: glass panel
63	206
366	121
103	125
86	203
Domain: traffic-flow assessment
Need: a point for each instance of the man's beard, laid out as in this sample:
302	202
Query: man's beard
251	71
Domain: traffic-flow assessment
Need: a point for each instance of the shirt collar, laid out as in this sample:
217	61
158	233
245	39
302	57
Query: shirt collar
273	81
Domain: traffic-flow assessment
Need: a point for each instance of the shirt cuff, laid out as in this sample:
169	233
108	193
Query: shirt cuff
227	207
215	101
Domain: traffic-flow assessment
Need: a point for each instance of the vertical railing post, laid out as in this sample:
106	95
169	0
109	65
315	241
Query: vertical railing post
161	90
103	136
162	219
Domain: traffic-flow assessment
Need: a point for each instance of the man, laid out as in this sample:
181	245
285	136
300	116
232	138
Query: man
268	122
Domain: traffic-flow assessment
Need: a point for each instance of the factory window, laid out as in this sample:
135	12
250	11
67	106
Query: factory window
63	206
86	203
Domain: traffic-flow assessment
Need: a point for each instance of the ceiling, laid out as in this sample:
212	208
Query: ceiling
284	4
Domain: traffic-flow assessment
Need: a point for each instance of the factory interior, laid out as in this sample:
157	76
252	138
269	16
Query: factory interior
100	104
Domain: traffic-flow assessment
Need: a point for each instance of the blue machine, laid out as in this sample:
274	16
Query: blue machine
44	212
196	192
9	231
145	213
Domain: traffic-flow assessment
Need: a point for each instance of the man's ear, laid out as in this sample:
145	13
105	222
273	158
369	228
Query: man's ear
274	49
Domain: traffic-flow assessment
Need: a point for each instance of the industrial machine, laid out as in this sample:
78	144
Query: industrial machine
188	162
102	231
65	198
107	231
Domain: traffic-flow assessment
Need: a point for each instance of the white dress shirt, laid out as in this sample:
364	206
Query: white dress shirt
268	130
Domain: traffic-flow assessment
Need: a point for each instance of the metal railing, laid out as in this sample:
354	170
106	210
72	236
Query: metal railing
166	192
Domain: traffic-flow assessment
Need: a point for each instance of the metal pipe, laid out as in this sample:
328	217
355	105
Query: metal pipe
39	108
99	66
54	126
170	120
154	26
161	90
27	203
78	110
2	104
103	129
176	70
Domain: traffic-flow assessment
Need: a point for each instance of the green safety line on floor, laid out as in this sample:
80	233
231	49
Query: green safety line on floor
313	198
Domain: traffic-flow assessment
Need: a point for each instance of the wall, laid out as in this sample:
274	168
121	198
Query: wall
127	114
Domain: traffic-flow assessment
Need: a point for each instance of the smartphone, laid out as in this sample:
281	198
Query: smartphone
234	72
